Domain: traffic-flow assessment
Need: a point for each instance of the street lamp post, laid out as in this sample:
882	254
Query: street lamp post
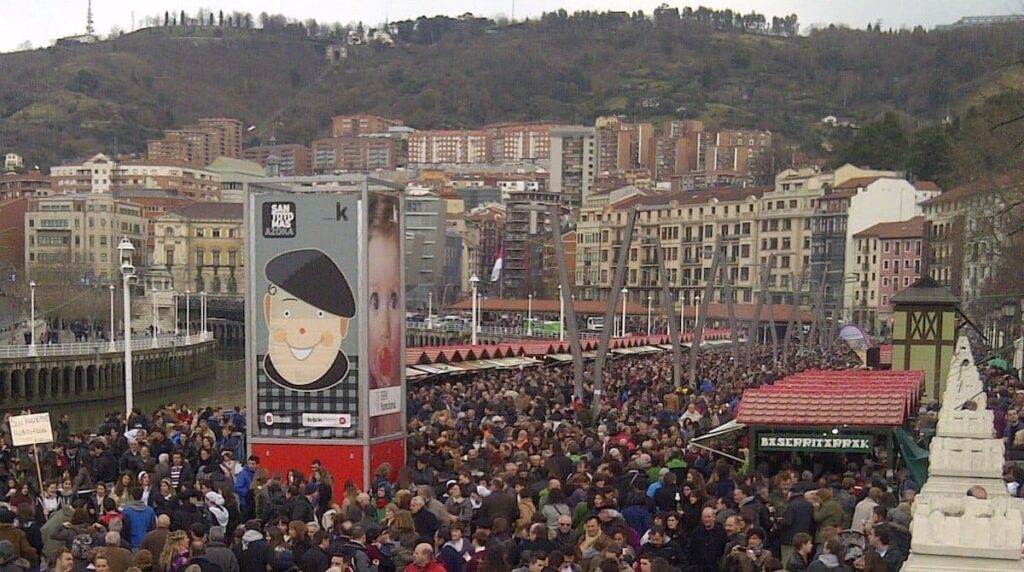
650	300
128	276
624	292
430	310
188	316
113	346
174	298
474	281
682	313
32	318
202	315
696	315
152	301
561	315
529	315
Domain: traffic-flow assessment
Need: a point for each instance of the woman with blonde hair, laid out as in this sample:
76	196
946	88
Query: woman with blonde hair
175	556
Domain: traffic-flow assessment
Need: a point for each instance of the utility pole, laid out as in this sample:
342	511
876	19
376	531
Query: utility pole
566	285
618	282
698	333
674	334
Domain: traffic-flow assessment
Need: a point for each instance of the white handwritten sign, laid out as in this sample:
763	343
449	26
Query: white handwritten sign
31	429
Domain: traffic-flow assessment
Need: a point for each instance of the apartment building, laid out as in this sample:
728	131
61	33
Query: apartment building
890	256
361	124
289	160
528	245
786	213
73	238
966	234
623	146
201	245
200	144
450	147
101	174
425	224
688	224
573	163
520	142
855	205
16	185
354	154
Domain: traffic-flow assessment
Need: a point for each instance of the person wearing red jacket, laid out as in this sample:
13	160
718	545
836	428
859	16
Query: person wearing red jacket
423	560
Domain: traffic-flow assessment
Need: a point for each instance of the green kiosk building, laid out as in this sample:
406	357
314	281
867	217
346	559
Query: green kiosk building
924	333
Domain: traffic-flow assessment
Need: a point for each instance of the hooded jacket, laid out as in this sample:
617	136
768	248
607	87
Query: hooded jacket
253	553
138	520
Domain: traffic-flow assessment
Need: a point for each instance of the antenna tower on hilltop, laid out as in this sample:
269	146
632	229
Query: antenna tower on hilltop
88	21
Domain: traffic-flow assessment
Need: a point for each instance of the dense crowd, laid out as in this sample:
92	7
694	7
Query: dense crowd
506	471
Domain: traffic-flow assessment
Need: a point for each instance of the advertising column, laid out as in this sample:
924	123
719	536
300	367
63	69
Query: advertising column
385	318
313	304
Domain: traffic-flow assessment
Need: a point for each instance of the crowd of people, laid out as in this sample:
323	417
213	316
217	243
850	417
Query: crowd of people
507	470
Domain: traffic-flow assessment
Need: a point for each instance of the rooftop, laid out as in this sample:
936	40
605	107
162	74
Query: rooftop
833	399
209	211
912	228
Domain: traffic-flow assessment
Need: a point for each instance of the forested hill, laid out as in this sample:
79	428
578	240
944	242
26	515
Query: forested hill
72	100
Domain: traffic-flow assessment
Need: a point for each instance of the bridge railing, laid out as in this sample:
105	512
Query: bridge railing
90	348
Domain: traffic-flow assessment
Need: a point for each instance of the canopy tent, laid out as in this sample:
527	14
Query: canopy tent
914	457
724	429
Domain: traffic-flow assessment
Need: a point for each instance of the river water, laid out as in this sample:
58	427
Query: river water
225	387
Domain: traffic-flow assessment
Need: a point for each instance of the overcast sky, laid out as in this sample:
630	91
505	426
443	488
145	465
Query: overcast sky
42	21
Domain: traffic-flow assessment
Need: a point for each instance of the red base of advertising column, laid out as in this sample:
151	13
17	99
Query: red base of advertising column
392	452
356	463
343	462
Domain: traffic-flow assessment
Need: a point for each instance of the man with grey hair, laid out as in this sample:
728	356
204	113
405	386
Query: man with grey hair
435	506
119	558
218	553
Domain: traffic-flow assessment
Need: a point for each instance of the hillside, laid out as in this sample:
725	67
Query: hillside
72	100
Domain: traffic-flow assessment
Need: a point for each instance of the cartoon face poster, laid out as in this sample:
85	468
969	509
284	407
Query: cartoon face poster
304	269
385	314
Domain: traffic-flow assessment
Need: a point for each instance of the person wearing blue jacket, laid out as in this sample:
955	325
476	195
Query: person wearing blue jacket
243	481
138	519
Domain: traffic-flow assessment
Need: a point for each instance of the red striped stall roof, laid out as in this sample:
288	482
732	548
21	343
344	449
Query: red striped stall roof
817	398
426	355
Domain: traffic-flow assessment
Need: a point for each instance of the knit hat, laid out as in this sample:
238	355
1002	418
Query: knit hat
6	549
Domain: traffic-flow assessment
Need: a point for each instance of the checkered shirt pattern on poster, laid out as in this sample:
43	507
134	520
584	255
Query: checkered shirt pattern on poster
288	406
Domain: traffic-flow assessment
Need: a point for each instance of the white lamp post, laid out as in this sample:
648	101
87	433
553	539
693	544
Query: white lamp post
650	300
696	313
529	315
202	315
561	315
430	310
125	249
32	318
113	346
473	282
188	316
174	298
682	313
624	292
152	300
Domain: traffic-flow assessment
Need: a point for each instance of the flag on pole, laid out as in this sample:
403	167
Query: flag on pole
498	263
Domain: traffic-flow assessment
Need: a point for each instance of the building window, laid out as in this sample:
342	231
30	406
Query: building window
906	281
885	246
216	233
885	281
216	257
200	255
199	232
232	258
169	256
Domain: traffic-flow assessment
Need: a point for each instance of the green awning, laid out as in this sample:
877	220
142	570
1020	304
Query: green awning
914	457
